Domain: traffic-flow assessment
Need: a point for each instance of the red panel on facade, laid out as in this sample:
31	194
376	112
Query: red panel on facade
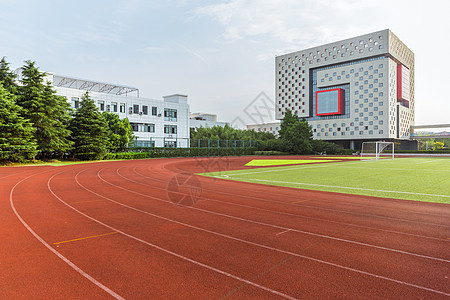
399	81
340	103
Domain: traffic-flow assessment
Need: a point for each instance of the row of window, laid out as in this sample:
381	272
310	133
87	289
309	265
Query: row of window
351	124
169	113
335	48
352	133
145	127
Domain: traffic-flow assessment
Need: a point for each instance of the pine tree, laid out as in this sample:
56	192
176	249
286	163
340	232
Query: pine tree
7	78
89	130
16	133
48	113
296	134
120	133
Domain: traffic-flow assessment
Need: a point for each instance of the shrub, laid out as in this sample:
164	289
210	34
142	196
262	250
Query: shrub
320	146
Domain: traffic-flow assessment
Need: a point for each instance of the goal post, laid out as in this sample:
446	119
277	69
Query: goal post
377	150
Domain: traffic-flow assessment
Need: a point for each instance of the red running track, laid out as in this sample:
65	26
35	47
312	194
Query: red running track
149	229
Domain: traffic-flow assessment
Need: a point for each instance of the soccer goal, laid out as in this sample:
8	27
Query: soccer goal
377	150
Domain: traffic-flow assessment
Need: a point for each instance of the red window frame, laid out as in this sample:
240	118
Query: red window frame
340	102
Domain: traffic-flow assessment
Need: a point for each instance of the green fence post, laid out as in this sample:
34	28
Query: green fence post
209	145
151	147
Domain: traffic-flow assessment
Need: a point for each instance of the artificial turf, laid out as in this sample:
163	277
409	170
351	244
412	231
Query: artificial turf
280	162
420	179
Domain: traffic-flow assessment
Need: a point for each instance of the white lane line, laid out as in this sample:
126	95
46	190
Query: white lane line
283	251
336	186
425	162
62	257
166	250
273	226
283	213
283	232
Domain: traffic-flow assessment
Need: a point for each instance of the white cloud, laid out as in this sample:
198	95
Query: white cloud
290	21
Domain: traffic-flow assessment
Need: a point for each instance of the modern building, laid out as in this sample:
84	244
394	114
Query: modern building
272	127
156	123
204	120
350	91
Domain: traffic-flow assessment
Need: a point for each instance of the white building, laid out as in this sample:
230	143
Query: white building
155	123
204	120
272	127
354	90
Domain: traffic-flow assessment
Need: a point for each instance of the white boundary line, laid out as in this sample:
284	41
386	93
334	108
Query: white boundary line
249	221
279	250
62	257
289	214
335	186
161	248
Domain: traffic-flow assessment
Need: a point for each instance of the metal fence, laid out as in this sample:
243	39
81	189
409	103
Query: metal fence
193	147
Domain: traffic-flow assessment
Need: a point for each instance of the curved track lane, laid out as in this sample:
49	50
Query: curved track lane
152	229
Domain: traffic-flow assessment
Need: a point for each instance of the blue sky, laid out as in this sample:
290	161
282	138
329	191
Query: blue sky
220	53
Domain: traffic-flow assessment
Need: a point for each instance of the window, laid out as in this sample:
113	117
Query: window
145	109
170	144
114	106
143	127
170	129
101	105
75	102
149	127
170	114
122	108
135	108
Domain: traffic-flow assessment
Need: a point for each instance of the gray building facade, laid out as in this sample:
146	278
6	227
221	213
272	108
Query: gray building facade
354	90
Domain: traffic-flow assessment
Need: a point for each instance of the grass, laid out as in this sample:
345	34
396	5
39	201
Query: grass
280	162
420	179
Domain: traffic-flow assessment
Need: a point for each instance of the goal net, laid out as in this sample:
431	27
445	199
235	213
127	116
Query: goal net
377	150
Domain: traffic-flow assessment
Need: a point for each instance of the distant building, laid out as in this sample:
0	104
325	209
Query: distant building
157	123
350	91
204	120
272	127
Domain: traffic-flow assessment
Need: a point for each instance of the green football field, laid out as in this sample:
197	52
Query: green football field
420	179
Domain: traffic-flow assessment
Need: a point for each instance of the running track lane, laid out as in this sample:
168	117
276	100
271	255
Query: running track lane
239	240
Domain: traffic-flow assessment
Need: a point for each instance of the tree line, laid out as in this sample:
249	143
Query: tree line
35	123
295	137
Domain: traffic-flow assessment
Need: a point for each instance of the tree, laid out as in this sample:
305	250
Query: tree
438	146
296	134
229	133
48	112
7	78
16	133
89	130
120	133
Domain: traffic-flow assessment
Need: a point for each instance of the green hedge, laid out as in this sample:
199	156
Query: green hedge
140	153
270	153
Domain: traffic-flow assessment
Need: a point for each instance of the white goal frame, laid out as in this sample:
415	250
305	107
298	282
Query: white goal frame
374	150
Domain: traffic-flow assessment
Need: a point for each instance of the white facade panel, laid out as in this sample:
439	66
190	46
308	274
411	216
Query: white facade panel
365	67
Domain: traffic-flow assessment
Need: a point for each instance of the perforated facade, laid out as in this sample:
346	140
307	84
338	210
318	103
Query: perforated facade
375	73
